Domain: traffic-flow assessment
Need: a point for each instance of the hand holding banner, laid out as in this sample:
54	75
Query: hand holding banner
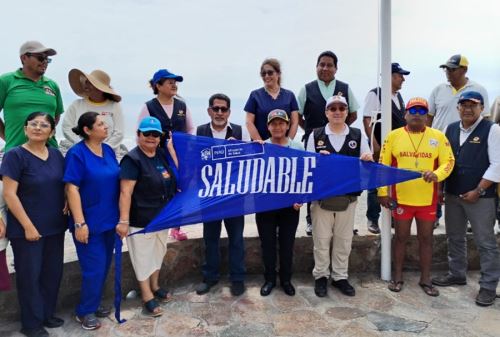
221	179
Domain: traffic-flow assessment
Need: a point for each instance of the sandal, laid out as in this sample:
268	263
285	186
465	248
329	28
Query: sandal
429	289
395	286
152	308
163	295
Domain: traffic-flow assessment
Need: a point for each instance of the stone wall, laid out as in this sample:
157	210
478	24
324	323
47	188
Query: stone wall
184	259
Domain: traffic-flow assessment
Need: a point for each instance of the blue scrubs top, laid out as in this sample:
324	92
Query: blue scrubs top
98	180
40	190
260	103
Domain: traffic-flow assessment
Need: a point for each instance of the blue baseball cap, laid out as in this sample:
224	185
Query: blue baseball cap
472	96
396	68
150	124
164	73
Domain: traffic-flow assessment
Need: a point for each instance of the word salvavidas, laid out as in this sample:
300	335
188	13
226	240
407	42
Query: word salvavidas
274	175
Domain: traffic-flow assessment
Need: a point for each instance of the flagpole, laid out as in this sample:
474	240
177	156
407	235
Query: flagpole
385	43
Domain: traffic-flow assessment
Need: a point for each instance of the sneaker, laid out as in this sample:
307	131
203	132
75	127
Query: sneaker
373	227
178	234
320	286
103	311
89	322
345	287
205	286
309	229
448	280
237	288
485	297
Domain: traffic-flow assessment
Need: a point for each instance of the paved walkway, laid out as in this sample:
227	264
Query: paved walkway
374	311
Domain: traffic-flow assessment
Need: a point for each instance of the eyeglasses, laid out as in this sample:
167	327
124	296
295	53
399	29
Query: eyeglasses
263	73
40	57
219	109
155	134
335	108
420	111
39	125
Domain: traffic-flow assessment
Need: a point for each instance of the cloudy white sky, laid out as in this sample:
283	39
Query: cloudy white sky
218	45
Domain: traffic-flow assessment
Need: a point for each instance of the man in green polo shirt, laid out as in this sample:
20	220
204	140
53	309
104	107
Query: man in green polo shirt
27	90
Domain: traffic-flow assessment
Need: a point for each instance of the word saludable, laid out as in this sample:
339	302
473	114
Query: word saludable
276	175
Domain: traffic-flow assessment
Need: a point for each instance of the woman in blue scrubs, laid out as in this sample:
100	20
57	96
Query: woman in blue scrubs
34	192
271	96
92	187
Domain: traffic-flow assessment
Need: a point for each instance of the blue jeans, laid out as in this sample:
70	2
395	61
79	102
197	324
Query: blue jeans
373	207
236	250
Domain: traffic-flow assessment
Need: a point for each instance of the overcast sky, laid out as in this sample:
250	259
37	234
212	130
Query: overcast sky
218	45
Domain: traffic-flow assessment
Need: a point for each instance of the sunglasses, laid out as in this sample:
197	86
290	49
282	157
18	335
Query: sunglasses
334	108
263	73
155	134
420	111
219	109
39	125
40	57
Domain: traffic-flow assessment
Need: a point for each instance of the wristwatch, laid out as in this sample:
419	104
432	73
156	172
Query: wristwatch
80	224
481	191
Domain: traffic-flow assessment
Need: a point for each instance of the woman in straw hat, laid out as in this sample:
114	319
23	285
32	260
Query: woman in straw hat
97	95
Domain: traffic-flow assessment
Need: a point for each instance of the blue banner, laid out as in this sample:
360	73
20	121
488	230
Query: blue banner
220	179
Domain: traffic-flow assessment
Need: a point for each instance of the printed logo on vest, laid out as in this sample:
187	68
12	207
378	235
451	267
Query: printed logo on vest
400	210
475	140
352	144
48	90
181	113
320	144
433	142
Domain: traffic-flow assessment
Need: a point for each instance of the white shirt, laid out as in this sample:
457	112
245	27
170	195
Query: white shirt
110	111
222	134
493	171
372	104
443	103
337	140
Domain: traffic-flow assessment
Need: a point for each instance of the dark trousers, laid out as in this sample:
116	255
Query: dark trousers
277	226
95	258
373	207
39	268
211	236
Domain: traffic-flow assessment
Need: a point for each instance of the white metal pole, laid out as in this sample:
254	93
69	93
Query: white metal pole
385	42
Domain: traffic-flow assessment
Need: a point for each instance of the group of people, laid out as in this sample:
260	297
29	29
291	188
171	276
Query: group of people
98	198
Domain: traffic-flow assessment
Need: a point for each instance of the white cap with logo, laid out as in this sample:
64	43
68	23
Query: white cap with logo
336	99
